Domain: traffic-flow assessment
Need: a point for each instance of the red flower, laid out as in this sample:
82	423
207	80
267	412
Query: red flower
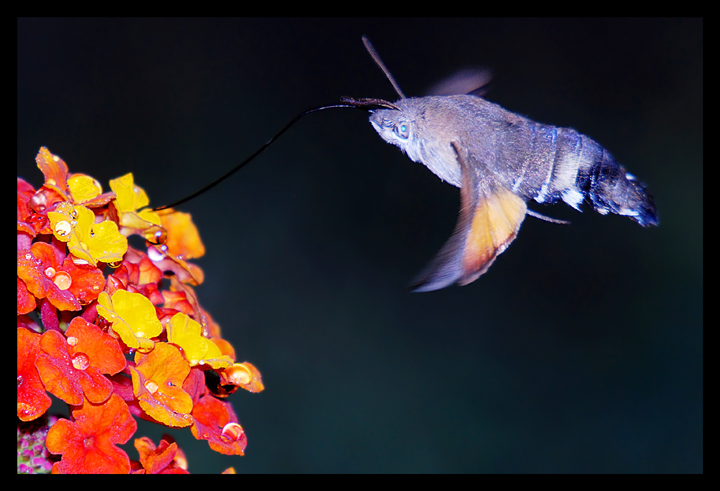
32	401
88	444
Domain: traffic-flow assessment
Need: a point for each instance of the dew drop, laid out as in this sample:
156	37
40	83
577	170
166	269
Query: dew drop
20	380
55	158
38	202
28	256
80	361
72	340
238	375
50	272
232	432
62	280
154	254
63	228
151	386
156	235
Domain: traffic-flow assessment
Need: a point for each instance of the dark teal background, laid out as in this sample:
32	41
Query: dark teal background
581	350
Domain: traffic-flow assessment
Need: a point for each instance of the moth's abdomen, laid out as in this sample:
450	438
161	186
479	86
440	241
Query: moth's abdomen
562	164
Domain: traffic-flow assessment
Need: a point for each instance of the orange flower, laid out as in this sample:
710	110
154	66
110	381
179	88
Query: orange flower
89	443
32	401
39	267
55	171
67	373
161	459
86	281
157	383
215	421
183	240
244	375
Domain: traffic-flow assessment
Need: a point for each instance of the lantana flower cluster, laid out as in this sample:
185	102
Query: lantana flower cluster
115	332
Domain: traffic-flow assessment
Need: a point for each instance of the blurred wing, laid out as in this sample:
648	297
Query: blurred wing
472	81
490	217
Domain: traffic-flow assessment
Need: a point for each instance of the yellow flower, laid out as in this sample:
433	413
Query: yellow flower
133	318
83	188
87	240
186	333
129	199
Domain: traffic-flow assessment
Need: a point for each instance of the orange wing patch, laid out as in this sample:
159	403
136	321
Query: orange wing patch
494	225
490	217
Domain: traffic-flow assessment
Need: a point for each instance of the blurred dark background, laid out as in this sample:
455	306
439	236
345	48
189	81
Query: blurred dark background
581	350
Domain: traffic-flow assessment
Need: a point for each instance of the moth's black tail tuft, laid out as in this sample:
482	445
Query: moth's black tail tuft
613	189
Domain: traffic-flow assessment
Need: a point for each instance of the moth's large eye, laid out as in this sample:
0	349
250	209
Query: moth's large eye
402	130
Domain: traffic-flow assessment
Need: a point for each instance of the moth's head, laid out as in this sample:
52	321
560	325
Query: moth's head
398	126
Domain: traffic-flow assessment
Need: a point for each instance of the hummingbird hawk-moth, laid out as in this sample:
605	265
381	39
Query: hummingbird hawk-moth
500	161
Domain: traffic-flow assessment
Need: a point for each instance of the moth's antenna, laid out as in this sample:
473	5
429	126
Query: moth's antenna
376	57
352	103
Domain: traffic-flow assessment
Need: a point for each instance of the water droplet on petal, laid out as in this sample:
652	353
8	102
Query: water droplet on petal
63	228
62	280
156	235
50	272
72	341
38	202
20	380
232	432
238	375
154	254
80	361
151	386
28	256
